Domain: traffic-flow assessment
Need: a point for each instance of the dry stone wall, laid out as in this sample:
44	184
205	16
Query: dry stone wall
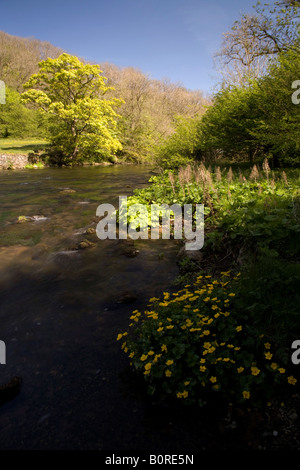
13	162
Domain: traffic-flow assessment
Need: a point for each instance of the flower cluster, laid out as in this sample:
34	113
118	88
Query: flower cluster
194	341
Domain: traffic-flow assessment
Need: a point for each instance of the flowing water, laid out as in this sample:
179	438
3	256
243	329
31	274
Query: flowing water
61	307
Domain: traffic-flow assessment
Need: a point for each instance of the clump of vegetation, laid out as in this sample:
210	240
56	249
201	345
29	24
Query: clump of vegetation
227	333
195	341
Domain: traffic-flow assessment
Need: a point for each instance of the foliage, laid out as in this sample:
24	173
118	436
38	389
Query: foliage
228	124
259	118
84	123
16	120
277	126
195	341
182	146
227	335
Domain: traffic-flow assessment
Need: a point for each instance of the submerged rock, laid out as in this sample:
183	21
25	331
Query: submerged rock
127	297
85	244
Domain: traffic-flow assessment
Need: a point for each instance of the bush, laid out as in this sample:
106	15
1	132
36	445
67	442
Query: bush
195	341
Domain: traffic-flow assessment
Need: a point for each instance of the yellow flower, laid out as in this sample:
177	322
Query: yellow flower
160	329
164	347
120	335
268	355
186	383
240	369
292	380
213	379
206	299
231	294
148	366
169	327
168	373
169	362
206	332
156	357
239	328
255	371
144	357
202	368
274	365
131	354
281	370
183	394
267	345
246	394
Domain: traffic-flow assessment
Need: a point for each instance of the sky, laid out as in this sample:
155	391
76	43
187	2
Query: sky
165	39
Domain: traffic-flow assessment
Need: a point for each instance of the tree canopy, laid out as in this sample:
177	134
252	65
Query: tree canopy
84	124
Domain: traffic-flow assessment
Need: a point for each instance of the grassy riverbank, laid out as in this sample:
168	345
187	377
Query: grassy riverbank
21	146
230	326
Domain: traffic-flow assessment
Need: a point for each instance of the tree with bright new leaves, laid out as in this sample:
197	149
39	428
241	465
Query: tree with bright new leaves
83	124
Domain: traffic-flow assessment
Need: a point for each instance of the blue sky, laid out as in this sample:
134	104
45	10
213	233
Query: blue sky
173	39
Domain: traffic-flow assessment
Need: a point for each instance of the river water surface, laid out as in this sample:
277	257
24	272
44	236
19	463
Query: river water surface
61	309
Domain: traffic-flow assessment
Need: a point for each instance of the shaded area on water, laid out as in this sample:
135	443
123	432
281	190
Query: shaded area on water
61	311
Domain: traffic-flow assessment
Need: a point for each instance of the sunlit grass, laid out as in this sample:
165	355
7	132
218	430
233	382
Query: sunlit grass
21	146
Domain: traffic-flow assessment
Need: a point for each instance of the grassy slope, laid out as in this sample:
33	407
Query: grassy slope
20	146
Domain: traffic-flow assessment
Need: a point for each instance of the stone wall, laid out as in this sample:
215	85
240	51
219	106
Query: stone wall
13	162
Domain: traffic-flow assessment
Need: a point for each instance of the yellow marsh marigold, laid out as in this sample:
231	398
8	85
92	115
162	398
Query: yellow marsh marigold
169	362
168	373
292	380
183	394
255	371
246	394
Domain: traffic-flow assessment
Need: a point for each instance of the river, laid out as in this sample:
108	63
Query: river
61	309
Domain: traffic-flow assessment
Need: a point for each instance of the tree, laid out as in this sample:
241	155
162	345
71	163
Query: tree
83	122
19	58
16	120
147	114
277	128
257	38
183	146
228	125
